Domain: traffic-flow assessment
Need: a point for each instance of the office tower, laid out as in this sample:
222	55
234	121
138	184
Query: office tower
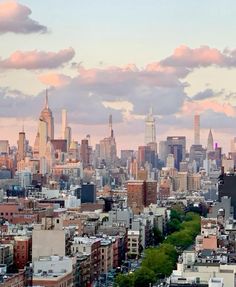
170	161
135	195
226	187
125	156
43	137
68	137
63	123
73	153
163	151
46	116
86	193
197	154
4	146
150	128
84	152
21	146
197	129
233	145
140	194
210	143
150	195
177	147
108	150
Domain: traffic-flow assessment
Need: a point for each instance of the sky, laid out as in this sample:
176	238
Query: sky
98	57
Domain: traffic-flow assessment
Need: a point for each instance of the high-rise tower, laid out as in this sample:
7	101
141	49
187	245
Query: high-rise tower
210	142
21	146
46	116
150	128
196	129
63	123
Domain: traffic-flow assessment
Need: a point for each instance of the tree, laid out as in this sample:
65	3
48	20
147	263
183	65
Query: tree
125	280
143	277
157	236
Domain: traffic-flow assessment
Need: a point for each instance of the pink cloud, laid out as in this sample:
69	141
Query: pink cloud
190	58
54	79
14	17
190	107
37	59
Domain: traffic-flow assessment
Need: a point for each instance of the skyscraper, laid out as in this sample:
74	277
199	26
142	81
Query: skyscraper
108	150
46	116
150	128
196	129
210	142
43	137
21	146
177	147
63	123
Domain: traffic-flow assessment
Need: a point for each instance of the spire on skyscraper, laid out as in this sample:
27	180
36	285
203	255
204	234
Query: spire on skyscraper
197	129
46	99
210	142
110	126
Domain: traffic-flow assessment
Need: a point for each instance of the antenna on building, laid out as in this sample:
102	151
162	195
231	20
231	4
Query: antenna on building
46	99
110	126
150	111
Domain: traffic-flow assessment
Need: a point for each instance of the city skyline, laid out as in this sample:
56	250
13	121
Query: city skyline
91	76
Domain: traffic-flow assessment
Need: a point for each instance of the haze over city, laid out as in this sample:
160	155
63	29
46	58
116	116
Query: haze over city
112	57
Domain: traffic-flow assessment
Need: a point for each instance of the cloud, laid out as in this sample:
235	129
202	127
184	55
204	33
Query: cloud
190	107
14	17
204	56
37	59
127	92
54	79
206	94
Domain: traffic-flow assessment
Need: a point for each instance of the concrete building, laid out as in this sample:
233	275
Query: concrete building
92	247
22	250
135	195
194	182
106	255
48	238
56	271
133	244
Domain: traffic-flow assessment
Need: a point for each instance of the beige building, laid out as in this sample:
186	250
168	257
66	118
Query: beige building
48	238
194	182
134	241
181	182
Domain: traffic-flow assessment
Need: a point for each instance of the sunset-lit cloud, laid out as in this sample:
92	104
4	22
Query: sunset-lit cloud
33	60
15	17
54	79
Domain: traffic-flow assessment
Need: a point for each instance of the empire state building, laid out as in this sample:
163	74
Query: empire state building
46	116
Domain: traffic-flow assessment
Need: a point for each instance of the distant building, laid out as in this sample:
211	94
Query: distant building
176	145
150	128
197	129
